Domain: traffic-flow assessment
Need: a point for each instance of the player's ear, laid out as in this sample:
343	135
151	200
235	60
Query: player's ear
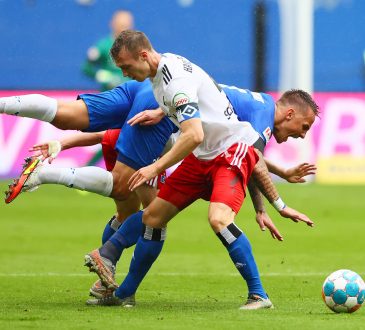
290	113
143	55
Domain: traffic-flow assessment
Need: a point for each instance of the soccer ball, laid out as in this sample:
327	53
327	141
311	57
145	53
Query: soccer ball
343	291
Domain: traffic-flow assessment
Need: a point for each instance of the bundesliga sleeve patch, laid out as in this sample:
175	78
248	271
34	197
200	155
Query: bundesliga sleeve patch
180	99
187	111
267	134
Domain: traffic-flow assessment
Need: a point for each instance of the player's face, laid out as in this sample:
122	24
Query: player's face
295	125
134	67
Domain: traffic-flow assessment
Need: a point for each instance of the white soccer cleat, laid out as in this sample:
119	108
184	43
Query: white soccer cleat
256	302
113	300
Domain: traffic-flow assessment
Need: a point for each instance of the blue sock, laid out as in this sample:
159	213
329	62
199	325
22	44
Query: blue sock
240	251
108	230
145	253
241	254
126	236
128	233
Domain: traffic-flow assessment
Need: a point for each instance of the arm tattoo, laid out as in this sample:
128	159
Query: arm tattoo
263	180
256	196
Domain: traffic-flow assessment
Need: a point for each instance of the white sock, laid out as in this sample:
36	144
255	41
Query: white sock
35	106
91	178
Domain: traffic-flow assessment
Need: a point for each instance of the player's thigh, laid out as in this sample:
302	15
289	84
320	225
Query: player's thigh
220	216
146	194
228	194
159	213
71	115
121	174
186	184
127	207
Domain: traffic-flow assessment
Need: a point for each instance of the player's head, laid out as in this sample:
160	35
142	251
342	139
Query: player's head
295	113
121	20
132	52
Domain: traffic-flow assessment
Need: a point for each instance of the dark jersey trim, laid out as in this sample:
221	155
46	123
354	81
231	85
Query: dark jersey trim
260	144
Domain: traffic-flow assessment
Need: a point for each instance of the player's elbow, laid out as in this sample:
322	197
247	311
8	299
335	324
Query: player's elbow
193	131
197	137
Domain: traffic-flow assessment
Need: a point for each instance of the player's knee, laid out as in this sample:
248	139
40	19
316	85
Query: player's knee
152	219
120	190
218	223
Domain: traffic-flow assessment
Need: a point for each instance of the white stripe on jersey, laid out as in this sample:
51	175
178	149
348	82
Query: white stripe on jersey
239	155
152	182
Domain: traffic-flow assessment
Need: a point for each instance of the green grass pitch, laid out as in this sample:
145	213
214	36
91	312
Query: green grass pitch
193	285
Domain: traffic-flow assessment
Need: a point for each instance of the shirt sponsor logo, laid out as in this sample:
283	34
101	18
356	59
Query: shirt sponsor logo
180	99
229	111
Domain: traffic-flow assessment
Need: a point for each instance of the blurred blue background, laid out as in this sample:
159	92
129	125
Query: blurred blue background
44	43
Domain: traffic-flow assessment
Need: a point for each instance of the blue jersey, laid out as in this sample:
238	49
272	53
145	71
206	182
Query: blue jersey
256	108
137	146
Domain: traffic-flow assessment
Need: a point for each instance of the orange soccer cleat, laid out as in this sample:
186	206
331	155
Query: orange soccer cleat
17	186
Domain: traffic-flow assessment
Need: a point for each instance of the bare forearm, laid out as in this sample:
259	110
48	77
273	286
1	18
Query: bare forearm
256	196
274	168
263	180
183	146
81	140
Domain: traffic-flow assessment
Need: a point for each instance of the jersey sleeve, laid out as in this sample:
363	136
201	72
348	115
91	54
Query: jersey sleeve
182	95
256	108
262	117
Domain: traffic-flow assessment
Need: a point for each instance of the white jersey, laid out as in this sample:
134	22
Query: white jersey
184	91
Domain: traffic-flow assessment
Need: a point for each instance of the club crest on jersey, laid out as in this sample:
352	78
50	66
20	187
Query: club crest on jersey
267	134
180	99
186	112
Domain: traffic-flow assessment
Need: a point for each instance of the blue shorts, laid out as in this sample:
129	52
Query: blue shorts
107	110
138	146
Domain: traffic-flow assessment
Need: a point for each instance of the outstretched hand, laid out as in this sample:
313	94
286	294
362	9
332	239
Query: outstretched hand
288	212
296	173
46	150
264	221
147	117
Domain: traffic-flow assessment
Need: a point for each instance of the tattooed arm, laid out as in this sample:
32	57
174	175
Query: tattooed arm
264	183
262	179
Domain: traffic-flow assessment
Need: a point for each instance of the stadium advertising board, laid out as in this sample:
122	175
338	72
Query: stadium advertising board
336	143
18	134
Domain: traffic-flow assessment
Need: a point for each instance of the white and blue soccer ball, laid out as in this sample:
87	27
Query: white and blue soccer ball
343	291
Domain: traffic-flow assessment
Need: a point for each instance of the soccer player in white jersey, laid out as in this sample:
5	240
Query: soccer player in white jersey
219	158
